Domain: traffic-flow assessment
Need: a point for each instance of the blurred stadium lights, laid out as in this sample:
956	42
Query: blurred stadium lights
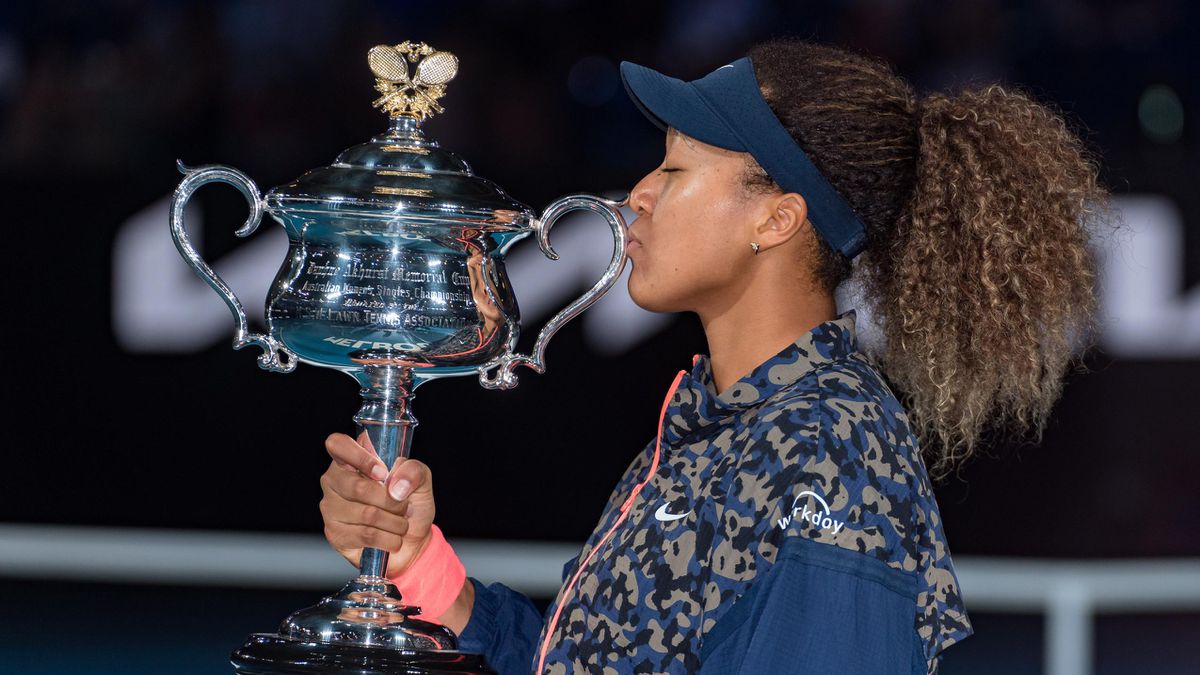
159	306
1147	313
1160	113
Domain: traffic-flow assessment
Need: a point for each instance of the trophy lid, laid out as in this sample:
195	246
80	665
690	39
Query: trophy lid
401	173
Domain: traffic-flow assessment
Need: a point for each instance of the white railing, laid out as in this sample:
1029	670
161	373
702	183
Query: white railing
1069	593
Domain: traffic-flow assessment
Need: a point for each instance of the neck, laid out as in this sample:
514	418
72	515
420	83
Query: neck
758	326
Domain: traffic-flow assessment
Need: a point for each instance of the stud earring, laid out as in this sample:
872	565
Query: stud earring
754	245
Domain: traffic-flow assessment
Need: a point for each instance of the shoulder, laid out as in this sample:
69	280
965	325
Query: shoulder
836	462
848	393
843	468
843	413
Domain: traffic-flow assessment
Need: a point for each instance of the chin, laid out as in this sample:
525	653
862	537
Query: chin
649	300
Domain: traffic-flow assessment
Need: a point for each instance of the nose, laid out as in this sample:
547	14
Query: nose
642	196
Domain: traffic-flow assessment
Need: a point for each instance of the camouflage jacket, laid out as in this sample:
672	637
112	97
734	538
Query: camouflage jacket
786	524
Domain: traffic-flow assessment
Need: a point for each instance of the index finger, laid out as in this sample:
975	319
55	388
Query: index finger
345	451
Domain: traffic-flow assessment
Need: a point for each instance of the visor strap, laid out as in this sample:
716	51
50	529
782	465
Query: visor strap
748	117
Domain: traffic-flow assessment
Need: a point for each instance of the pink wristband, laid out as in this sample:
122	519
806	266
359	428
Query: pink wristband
434	580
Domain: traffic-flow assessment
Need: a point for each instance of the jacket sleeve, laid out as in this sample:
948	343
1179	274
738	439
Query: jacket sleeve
504	627
819	609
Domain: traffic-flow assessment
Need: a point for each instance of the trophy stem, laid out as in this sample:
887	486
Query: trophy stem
386	417
365	627
405	126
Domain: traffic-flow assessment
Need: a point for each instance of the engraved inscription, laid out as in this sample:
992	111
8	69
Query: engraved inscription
403	192
384	289
407	174
405	148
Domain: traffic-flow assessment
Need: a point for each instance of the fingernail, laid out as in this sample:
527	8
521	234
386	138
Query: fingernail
378	472
399	489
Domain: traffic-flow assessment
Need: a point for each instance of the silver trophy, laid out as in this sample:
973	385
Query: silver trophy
394	275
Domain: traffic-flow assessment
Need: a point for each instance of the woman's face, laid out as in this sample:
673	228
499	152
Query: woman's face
694	227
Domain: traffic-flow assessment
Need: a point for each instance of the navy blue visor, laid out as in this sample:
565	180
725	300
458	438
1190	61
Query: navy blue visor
726	109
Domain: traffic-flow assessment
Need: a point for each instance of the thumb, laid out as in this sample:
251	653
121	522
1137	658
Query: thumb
410	478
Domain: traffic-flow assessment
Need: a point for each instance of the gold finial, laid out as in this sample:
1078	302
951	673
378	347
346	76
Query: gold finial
416	96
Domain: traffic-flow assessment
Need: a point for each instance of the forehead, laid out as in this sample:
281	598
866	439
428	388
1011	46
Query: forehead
679	142
676	137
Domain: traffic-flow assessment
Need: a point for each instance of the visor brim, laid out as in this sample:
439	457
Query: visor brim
669	102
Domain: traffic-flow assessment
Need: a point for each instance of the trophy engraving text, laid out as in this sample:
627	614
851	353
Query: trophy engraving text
437	305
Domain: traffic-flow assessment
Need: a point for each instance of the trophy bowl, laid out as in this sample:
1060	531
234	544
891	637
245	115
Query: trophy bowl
395	275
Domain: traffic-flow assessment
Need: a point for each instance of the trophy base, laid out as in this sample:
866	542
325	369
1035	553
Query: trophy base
364	629
271	654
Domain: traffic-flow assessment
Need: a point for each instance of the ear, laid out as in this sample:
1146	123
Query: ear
786	217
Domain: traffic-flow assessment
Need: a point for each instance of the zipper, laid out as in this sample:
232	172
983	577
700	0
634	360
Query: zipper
566	594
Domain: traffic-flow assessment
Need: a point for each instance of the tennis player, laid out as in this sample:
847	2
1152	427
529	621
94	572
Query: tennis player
781	519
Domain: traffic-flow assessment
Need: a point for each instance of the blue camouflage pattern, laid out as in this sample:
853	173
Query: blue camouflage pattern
811	444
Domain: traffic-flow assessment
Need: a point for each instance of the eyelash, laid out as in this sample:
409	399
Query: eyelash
665	170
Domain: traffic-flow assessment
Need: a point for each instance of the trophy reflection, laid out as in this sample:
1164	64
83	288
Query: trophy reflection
394	275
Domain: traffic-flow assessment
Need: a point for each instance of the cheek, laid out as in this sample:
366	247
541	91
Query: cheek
711	223
690	254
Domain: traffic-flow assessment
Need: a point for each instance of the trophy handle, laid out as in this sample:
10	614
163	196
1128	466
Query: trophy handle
504	377
275	357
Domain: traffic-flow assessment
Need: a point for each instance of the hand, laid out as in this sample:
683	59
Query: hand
360	511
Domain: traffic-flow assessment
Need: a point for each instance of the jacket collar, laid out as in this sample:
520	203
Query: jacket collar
697	404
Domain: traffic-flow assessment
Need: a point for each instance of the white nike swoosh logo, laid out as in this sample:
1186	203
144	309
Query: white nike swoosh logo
662	515
724	67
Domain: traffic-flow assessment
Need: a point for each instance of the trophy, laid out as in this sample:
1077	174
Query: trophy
394	275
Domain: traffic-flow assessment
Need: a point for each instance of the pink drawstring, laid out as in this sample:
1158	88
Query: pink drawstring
620	519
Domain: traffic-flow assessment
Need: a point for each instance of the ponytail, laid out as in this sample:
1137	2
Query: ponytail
988	283
978	268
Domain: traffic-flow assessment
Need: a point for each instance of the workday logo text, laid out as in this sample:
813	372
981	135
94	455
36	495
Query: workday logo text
819	517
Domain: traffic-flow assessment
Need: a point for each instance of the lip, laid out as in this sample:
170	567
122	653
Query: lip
631	241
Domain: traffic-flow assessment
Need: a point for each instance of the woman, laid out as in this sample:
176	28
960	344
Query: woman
782	520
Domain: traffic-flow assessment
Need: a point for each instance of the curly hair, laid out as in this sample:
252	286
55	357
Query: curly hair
976	204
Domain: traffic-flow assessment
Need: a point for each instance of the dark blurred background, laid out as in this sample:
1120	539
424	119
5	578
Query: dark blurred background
125	406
